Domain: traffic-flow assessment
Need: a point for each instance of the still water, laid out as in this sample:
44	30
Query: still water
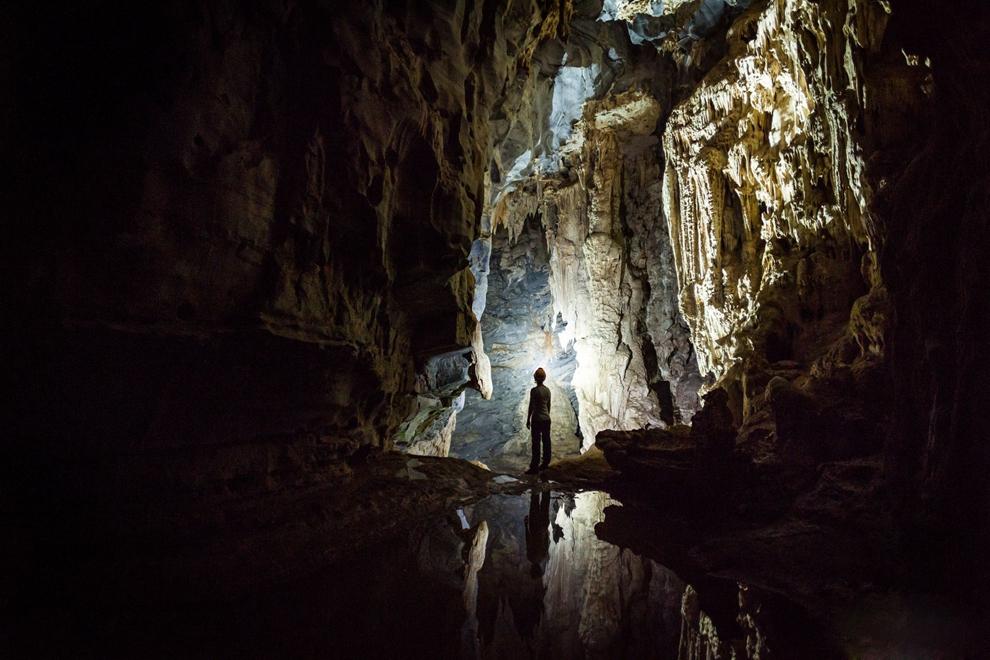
511	576
549	587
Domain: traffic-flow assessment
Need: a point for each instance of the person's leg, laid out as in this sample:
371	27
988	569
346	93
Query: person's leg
546	445
545	441
535	438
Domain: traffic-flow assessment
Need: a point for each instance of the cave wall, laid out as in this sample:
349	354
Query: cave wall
248	233
825	261
521	334
933	205
591	170
247	230
826	202
825	192
767	194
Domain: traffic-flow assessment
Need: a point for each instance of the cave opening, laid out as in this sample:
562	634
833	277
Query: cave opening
522	332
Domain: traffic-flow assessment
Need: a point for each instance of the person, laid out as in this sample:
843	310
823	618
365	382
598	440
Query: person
538	419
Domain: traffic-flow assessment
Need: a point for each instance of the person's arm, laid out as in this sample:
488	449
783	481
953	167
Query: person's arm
529	413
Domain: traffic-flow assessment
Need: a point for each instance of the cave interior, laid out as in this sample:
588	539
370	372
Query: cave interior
283	272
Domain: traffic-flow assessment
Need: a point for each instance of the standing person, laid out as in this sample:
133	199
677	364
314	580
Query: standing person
538	419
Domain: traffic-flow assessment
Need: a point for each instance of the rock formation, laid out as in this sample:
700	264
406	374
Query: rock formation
594	182
766	190
274	250
612	275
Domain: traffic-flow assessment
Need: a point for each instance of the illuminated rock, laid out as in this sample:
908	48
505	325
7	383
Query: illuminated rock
428	431
520	334
612	276
601	587
765	188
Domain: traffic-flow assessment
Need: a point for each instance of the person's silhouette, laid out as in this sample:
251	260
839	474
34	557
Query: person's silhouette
538	419
538	530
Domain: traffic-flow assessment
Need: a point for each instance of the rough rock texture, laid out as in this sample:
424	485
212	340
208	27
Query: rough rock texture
577	151
249	230
825	261
699	638
257	239
765	187
611	273
429	431
635	363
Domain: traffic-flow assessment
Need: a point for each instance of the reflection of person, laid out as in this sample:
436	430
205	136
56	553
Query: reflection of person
538	530
538	419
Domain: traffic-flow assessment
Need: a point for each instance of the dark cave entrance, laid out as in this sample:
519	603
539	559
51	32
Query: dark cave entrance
521	333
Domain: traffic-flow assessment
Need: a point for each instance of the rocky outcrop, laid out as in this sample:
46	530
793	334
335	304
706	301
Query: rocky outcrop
766	190
429	431
699	639
611	274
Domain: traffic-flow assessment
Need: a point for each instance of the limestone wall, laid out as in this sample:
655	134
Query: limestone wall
765	186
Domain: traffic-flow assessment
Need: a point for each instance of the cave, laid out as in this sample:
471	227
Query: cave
283	274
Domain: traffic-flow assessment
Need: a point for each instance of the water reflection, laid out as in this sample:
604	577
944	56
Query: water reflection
526	576
549	587
511	576
538	530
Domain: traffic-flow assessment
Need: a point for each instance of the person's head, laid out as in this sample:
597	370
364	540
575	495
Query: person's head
539	376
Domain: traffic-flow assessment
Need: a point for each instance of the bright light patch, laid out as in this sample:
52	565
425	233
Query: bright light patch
515	173
571	88
566	338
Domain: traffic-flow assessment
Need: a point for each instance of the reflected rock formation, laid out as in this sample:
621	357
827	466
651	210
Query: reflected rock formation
623	605
536	581
551	588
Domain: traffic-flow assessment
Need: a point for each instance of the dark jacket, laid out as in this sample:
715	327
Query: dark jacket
539	403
